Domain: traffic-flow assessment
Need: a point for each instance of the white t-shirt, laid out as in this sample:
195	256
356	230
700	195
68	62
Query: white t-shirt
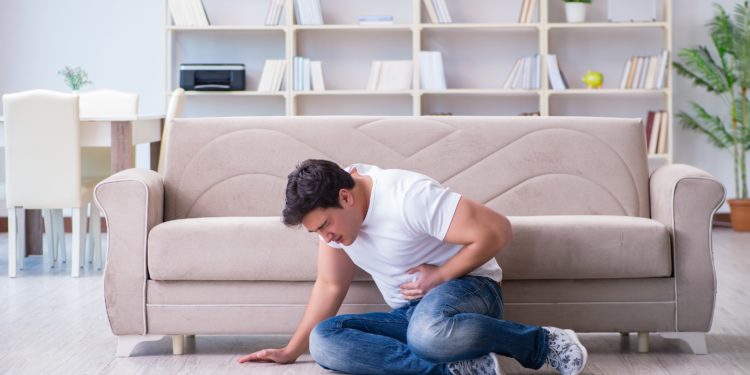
406	222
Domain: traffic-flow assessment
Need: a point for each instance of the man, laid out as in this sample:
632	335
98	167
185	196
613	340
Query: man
431	253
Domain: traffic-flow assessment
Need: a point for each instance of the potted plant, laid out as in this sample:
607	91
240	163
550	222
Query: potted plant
725	72
75	78
575	10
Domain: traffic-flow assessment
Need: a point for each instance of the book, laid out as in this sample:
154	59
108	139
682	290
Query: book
524	10
442	11
509	80
531	11
655	129
200	18
661	148
653	67
625	71
280	70
644	71
555	76
372	81
660	78
273	16
430	7
631	72
395	75
316	72
649	126
431	74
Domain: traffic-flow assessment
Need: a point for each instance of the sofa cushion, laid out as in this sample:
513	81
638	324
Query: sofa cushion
586	247
543	247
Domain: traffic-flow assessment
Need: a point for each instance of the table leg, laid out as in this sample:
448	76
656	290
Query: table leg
156	151
34	228
122	145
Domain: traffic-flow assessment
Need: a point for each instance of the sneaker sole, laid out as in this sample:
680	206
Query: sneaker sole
496	360
583	349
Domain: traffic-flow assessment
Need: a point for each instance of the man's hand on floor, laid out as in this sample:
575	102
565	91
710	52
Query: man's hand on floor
281	356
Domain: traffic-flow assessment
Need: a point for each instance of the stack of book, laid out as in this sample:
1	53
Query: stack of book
556	77
431	73
272	76
657	124
188	13
308	75
525	73
308	12
275	8
645	72
390	75
437	11
528	10
375	20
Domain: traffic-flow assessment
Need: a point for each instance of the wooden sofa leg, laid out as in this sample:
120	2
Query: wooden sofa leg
696	340
625	334
178	344
126	343
642	342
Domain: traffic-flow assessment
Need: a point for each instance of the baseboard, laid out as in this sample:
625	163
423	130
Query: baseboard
66	222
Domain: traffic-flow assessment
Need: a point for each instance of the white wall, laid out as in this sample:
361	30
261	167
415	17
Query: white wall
120	43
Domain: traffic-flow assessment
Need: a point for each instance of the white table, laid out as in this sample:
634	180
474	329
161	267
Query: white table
118	132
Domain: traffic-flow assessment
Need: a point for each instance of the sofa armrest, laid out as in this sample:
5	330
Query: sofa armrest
684	199
132	201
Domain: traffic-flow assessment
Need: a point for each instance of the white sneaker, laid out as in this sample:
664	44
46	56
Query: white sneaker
487	364
566	354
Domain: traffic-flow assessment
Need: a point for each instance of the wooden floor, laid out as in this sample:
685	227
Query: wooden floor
53	324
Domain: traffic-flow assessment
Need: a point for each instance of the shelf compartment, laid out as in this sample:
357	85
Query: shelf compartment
483	65
345	12
482	11
579	51
478	104
482	92
489	26
234	93
365	105
234	105
347	57
225	46
228	28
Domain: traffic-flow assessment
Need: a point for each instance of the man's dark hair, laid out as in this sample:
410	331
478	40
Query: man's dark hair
314	183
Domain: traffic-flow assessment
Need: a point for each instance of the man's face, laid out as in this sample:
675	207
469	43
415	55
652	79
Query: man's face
339	225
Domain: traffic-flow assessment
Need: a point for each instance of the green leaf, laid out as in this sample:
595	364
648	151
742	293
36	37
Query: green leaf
700	66
714	127
741	42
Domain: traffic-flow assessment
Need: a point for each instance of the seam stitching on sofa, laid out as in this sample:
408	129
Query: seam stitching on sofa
178	185
560	174
630	173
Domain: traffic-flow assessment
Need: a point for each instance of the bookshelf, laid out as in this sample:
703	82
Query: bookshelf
479	49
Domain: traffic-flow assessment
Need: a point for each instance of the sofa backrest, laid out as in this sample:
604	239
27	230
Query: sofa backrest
516	165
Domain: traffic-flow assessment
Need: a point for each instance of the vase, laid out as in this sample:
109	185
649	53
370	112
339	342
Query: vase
739	212
575	12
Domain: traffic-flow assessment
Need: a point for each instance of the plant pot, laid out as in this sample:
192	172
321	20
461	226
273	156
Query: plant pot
575	12
739	212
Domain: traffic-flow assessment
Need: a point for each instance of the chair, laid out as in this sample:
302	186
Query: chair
103	103
49	179
176	103
20	227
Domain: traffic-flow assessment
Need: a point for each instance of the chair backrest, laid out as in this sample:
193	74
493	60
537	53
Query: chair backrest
237	166
42	149
174	110
108	103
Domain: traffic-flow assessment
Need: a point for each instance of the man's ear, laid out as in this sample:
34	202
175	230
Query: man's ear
346	198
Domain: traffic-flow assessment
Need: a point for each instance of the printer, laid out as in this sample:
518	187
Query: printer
212	77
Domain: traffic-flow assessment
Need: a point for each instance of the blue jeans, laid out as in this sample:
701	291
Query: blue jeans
460	319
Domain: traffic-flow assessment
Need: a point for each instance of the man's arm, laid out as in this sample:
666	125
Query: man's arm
482	231
335	274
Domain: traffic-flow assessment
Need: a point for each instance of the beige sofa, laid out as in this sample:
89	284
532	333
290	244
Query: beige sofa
599	245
